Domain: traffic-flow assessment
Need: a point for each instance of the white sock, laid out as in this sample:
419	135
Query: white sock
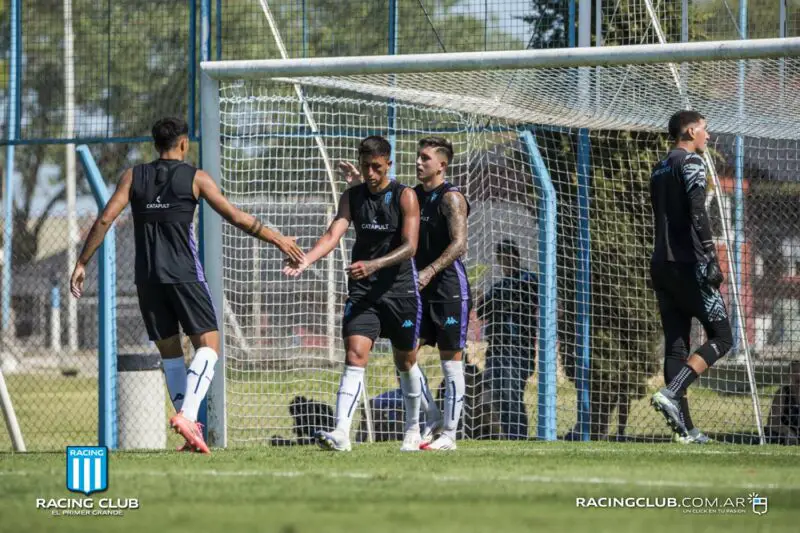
351	385
454	395
427	404
198	379
411	385
175	374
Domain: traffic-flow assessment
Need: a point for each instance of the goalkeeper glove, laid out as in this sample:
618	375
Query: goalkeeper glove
714	275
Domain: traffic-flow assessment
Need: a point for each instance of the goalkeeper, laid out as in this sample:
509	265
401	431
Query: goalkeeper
170	281
685	271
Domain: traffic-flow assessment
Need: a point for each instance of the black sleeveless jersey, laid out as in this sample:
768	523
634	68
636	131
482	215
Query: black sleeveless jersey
434	237
163	206
378	221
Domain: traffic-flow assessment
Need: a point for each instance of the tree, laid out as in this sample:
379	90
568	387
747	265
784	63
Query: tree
122	86
549	22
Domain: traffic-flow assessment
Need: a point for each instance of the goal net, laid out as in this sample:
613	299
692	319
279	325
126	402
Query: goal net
554	153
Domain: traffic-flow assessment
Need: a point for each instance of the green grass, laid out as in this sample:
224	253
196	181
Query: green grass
484	486
55	410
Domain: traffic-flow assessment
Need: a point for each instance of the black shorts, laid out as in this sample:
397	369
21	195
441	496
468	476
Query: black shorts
444	324
393	318
683	293
165	305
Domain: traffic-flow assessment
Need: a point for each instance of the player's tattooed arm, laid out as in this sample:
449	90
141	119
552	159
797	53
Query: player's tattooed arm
455	210
408	245
205	187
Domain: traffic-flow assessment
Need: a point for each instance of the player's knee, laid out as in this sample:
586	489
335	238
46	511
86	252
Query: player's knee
355	358
207	339
719	343
170	347
404	359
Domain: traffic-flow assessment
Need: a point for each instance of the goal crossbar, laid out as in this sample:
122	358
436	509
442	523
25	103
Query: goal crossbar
506	60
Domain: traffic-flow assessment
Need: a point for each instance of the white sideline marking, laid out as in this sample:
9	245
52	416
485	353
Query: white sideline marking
438	478
667	449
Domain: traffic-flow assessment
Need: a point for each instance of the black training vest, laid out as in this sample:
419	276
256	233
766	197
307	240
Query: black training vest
163	205
378	221
434	237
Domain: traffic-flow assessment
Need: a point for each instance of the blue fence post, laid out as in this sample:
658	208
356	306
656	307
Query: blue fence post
219	30
107	312
583	288
205	55
392	50
548	312
12	134
583	283
192	68
739	319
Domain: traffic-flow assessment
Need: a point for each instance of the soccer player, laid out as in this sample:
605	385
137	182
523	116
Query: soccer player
383	299
443	285
170	281
685	271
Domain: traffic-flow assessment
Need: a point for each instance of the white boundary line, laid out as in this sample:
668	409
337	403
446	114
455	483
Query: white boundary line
523	479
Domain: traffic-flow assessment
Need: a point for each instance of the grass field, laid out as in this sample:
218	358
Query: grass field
484	486
258	405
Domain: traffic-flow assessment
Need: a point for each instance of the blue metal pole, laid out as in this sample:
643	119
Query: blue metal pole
584	282
107	312
12	131
548	312
738	321
305	28
393	22
571	23
583	288
192	66
219	30
205	55
18	54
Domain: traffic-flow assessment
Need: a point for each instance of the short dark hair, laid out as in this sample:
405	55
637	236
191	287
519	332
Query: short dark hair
167	132
507	247
442	145
680	121
375	145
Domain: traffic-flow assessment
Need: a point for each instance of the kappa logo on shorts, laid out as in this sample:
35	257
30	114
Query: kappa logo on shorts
348	308
408	324
451	321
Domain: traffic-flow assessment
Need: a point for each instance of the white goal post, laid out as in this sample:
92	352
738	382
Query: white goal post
515	118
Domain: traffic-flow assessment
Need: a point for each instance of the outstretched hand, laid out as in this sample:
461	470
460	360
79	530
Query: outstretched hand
76	281
288	246
349	172
293	268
